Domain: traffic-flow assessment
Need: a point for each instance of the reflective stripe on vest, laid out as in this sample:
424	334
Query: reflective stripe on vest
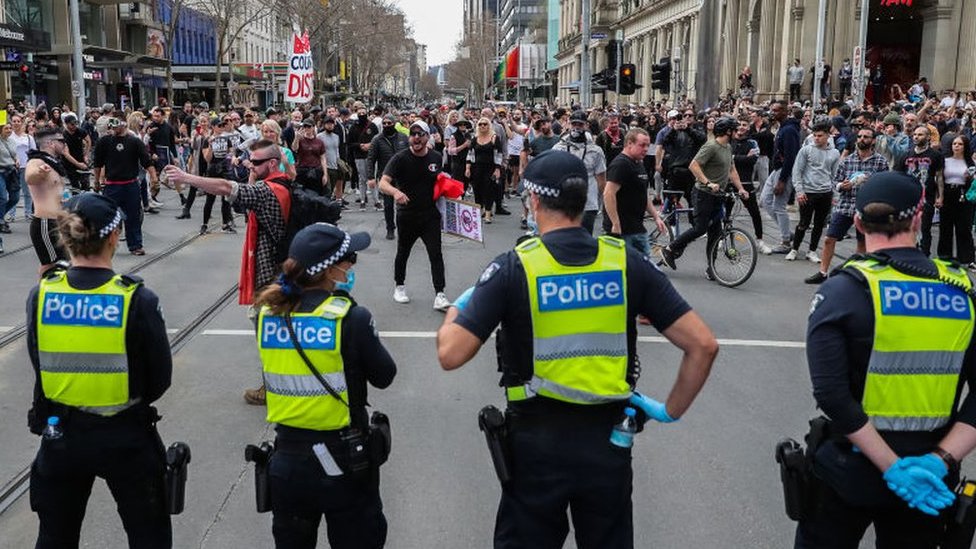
922	329
81	344
579	325
294	396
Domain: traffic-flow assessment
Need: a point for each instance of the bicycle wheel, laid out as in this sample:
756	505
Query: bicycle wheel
732	257
659	240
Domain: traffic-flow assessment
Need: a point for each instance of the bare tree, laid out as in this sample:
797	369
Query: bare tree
230	18
428	87
474	65
169	33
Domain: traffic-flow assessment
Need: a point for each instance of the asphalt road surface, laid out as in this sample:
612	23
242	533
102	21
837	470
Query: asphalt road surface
707	481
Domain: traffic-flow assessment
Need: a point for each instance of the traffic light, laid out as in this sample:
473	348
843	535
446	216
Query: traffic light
628	79
661	76
607	78
26	76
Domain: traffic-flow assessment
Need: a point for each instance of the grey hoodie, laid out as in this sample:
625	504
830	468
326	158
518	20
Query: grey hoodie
814	169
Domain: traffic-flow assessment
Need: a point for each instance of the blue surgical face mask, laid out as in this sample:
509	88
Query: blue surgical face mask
349	283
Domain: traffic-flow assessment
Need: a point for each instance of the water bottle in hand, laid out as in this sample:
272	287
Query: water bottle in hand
53	430
623	432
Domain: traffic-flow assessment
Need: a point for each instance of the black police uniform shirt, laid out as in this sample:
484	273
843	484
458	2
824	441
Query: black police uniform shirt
840	335
923	166
415	177
632	195
502	296
364	360
121	156
146	342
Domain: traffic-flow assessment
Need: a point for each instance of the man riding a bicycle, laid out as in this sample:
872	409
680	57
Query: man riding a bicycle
713	170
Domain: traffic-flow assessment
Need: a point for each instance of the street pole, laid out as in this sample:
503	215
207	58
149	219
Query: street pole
818	73
620	62
862	43
78	72
584	82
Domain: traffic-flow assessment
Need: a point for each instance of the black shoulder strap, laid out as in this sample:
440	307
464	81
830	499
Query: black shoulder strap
301	352
912	270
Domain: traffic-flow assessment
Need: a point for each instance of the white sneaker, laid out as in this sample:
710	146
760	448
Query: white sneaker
400	294
812	257
791	256
763	248
441	303
153	203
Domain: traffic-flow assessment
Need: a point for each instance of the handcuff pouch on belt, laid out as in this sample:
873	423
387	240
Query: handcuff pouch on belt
801	487
493	423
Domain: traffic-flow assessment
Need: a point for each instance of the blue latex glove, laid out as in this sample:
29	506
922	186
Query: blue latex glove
654	409
918	481
462	300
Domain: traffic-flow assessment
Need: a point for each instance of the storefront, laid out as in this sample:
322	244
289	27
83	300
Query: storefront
19	44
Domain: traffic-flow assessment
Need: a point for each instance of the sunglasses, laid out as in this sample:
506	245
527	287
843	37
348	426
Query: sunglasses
255	162
418	134
482	124
388	124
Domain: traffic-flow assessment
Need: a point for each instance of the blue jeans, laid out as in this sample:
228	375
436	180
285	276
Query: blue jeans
12	188
28	201
5	191
128	198
638	242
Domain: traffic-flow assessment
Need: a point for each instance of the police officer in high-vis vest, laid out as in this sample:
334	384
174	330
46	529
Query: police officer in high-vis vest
319	349
889	347
567	304
98	345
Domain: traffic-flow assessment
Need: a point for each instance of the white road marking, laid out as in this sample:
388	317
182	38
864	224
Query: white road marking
776	344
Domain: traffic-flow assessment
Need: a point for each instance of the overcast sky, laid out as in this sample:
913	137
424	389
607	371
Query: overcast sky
436	23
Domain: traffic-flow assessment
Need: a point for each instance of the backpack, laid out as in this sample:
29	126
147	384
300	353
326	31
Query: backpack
303	208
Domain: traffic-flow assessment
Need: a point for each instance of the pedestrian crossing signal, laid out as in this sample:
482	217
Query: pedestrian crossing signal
661	76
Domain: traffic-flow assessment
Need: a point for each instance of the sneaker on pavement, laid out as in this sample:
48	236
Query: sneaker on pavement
151	210
138	251
400	295
362	206
709	274
441	303
228	228
782	249
667	257
379	207
204	229
255	397
812	257
763	248
816	278
791	256
524	225
153	203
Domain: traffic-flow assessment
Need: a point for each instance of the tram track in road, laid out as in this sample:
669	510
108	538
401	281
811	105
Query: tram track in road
17	250
16	487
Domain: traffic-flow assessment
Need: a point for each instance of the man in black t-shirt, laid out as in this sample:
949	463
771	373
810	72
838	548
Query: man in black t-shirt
77	143
625	195
116	162
409	178
925	164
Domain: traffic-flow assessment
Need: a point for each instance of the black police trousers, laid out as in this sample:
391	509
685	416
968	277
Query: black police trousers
559	466
301	493
856	496
131	459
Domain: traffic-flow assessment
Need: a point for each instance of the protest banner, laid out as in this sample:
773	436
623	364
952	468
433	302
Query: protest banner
461	219
301	71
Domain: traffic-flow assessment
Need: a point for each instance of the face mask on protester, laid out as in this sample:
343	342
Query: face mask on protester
389	131
577	135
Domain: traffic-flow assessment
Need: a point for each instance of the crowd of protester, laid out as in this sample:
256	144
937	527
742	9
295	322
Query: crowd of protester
789	155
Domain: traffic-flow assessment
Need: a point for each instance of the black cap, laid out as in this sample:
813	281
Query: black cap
577	116
315	109
270	111
308	123
69	118
547	172
898	190
319	246
99	212
464	122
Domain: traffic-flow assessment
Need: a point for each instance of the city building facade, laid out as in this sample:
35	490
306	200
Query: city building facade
929	38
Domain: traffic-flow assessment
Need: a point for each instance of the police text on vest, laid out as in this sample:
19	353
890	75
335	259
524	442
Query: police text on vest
580	291
314	333
96	310
928	299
